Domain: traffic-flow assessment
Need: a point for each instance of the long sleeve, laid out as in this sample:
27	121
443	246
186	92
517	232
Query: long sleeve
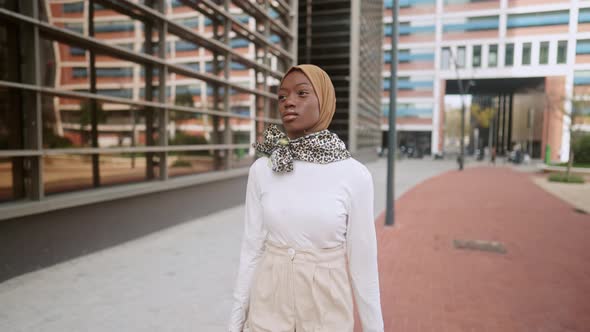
362	253
251	251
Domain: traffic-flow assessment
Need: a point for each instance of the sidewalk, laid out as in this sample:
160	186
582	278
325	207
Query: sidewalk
542	283
181	279
576	194
178	279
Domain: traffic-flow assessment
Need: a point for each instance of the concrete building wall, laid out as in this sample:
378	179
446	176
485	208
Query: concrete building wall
553	118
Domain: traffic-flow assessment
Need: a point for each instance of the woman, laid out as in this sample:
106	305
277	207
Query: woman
309	235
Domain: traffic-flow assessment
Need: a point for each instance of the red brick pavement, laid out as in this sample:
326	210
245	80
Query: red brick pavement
541	284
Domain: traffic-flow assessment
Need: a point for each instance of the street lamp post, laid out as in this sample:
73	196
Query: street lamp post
462	91
462	141
391	138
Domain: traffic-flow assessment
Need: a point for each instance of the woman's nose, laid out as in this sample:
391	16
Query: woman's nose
289	101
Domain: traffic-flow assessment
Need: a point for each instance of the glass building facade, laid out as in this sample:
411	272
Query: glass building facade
107	99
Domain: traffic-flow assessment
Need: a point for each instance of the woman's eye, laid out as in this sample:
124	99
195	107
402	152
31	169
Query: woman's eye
282	97
302	93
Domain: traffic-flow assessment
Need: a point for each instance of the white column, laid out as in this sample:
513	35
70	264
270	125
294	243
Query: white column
569	82
436	86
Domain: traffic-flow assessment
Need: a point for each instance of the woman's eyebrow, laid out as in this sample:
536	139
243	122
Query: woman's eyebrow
295	85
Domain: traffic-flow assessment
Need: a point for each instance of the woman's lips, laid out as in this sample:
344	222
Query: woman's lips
290	116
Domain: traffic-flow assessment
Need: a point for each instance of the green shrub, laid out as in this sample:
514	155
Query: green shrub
575	164
181	163
581	149
184	139
53	141
561	177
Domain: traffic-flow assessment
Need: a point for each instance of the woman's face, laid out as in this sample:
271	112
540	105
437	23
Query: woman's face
298	104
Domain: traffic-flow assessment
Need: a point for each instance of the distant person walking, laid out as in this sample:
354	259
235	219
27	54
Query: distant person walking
493	157
309	234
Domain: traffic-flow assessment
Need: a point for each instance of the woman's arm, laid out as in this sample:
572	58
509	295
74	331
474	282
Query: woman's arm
252	248
361	243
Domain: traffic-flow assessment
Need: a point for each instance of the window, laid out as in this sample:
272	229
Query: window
193	65
275	39
188	90
387	57
526	53
120	93
191	22
419	110
582	77
155	72
386	84
538	19
414	83
155	92
493	56
76	7
114	72
445	58
76	51
544	53
410	3
273	13
476	56
79	72
128	46
461	56
459	2
239	43
471	24
183	46
584	15
412	55
113	26
562	51
509	55
76	27
243	18
412	28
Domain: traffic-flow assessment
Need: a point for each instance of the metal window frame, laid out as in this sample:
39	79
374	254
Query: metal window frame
75	39
153	13
209	8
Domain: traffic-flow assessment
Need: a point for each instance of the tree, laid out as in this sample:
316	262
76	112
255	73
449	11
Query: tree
184	99
482	115
558	108
86	118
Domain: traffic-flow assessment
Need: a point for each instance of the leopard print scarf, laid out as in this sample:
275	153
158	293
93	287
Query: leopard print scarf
321	147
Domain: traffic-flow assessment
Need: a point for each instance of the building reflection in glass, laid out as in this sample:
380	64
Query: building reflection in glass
124	95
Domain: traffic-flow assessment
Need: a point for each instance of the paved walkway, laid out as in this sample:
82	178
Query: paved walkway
541	284
179	279
576	194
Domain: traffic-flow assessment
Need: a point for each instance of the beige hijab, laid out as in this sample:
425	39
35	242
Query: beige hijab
324	89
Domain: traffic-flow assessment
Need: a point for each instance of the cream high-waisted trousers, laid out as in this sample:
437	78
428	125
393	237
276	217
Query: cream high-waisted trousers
302	291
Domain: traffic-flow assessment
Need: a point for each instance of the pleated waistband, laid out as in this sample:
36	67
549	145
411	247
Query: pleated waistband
331	256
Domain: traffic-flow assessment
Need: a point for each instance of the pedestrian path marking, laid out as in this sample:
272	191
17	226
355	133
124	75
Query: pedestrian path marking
491	246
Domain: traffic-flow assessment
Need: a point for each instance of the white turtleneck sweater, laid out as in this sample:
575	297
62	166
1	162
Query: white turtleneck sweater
315	206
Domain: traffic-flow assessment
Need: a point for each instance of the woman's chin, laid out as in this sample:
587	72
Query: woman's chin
293	132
